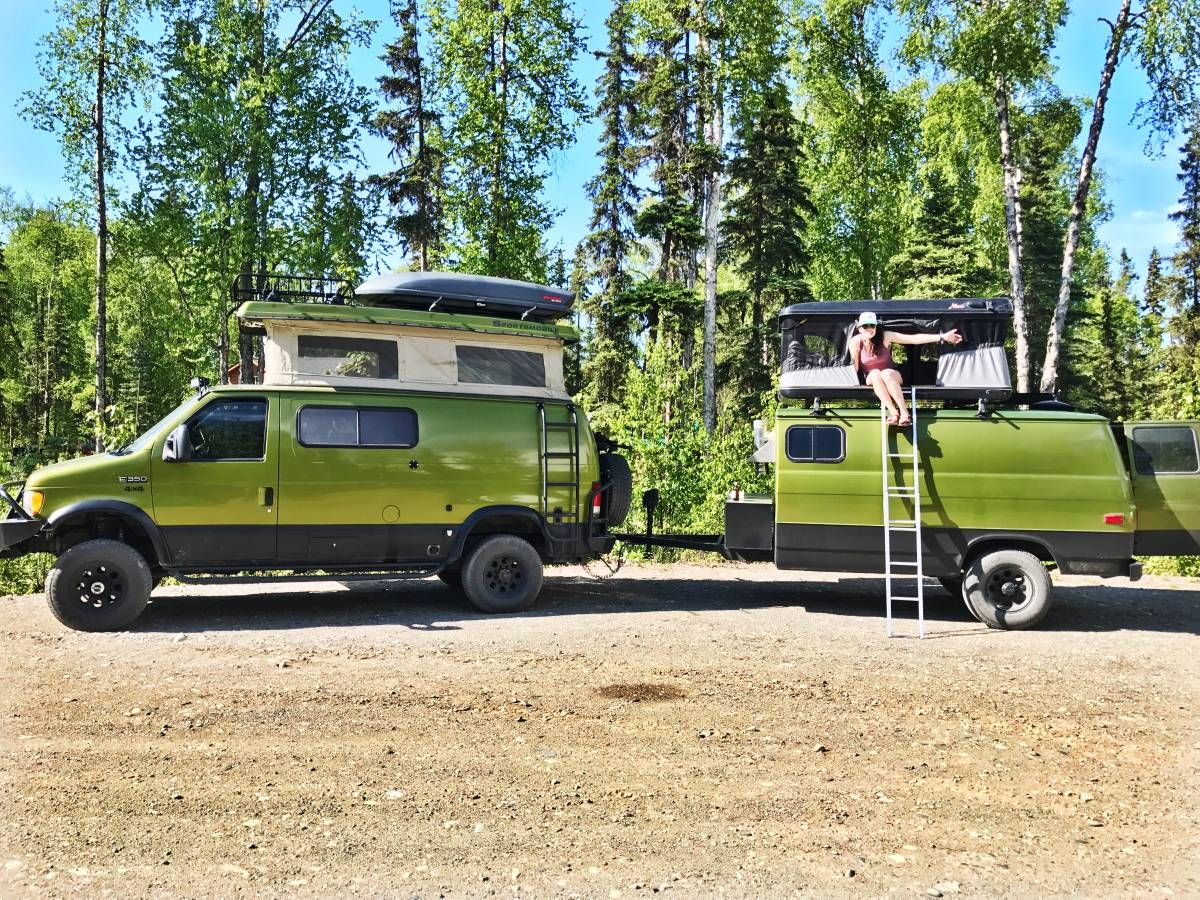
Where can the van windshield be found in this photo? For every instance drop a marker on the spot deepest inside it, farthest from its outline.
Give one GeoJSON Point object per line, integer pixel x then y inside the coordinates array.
{"type": "Point", "coordinates": [150, 433]}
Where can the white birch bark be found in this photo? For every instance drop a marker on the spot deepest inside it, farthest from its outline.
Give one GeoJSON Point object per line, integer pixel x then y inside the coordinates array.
{"type": "Point", "coordinates": [1049, 383]}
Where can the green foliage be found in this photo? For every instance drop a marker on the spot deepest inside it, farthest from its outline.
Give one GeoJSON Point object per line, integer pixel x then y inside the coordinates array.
{"type": "Point", "coordinates": [413, 128]}
{"type": "Point", "coordinates": [503, 72]}
{"type": "Point", "coordinates": [864, 148]}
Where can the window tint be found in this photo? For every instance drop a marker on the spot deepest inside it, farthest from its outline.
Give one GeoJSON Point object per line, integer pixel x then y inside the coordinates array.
{"type": "Point", "coordinates": [1165, 450]}
{"type": "Point", "coordinates": [327, 426]}
{"type": "Point", "coordinates": [816, 443]}
{"type": "Point", "coordinates": [229, 429]}
{"type": "Point", "coordinates": [347, 356]}
{"type": "Point", "coordinates": [492, 365]}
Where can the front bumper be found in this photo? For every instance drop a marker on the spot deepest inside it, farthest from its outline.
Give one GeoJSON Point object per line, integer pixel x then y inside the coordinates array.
{"type": "Point", "coordinates": [19, 526]}
{"type": "Point", "coordinates": [13, 532]}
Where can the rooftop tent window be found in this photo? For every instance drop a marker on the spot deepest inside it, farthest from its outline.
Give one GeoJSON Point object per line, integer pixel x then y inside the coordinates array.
{"type": "Point", "coordinates": [493, 365]}
{"type": "Point", "coordinates": [347, 356]}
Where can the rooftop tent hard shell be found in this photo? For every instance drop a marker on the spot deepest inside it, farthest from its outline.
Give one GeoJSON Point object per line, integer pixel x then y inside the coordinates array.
{"type": "Point", "coordinates": [816, 357]}
{"type": "Point", "coordinates": [455, 292]}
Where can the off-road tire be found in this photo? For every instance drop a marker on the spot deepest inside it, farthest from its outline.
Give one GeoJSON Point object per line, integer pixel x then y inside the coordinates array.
{"type": "Point", "coordinates": [1007, 589]}
{"type": "Point", "coordinates": [98, 585]}
{"type": "Point", "coordinates": [615, 469]}
{"type": "Point", "coordinates": [451, 578]}
{"type": "Point", "coordinates": [502, 574]}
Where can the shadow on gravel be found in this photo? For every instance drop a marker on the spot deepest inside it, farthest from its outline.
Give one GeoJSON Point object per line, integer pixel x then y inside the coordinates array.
{"type": "Point", "coordinates": [430, 606]}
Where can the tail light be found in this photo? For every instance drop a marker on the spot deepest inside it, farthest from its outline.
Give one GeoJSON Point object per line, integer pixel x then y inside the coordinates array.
{"type": "Point", "coordinates": [596, 495]}
{"type": "Point", "coordinates": [1114, 519]}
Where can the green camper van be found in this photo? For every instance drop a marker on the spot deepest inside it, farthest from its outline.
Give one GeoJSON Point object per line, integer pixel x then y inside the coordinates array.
{"type": "Point", "coordinates": [419, 427]}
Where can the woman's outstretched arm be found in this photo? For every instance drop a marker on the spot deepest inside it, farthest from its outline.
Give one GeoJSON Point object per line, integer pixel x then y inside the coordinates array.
{"type": "Point", "coordinates": [950, 337]}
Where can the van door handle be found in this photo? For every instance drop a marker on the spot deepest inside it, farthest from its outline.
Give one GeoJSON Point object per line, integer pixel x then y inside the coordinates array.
{"type": "Point", "coordinates": [266, 496]}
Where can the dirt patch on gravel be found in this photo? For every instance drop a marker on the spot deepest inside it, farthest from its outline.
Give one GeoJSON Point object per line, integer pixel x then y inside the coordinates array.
{"type": "Point", "coordinates": [677, 730]}
{"type": "Point", "coordinates": [641, 693]}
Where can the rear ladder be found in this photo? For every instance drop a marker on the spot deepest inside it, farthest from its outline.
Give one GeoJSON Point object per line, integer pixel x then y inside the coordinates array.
{"type": "Point", "coordinates": [902, 528]}
{"type": "Point", "coordinates": [559, 465]}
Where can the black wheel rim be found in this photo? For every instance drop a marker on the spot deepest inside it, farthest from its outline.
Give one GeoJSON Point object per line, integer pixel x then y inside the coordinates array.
{"type": "Point", "coordinates": [98, 587]}
{"type": "Point", "coordinates": [1008, 588]}
{"type": "Point", "coordinates": [504, 576]}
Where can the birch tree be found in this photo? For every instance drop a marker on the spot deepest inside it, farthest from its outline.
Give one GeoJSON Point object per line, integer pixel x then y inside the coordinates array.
{"type": "Point", "coordinates": [1168, 49]}
{"type": "Point", "coordinates": [93, 66]}
{"type": "Point", "coordinates": [1004, 46]}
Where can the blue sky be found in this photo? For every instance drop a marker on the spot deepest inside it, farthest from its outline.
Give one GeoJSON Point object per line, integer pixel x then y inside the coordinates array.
{"type": "Point", "coordinates": [1141, 189]}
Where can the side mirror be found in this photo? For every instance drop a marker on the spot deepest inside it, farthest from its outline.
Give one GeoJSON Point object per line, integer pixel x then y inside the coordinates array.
{"type": "Point", "coordinates": [178, 447]}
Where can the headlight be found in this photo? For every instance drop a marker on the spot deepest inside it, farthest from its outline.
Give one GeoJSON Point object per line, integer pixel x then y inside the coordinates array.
{"type": "Point", "coordinates": [31, 501]}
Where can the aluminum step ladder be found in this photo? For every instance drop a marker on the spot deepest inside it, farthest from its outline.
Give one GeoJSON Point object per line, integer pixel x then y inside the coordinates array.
{"type": "Point", "coordinates": [902, 528]}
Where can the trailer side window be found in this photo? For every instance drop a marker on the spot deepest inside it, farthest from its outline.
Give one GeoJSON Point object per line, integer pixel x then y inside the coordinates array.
{"type": "Point", "coordinates": [1165, 450]}
{"type": "Point", "coordinates": [816, 443]}
{"type": "Point", "coordinates": [345, 426]}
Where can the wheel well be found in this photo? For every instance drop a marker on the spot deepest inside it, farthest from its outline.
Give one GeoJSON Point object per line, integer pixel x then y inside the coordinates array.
{"type": "Point", "coordinates": [988, 545]}
{"type": "Point", "coordinates": [503, 523]}
{"type": "Point", "coordinates": [86, 526]}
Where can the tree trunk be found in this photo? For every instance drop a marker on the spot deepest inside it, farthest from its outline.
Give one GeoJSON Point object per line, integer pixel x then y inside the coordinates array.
{"type": "Point", "coordinates": [1075, 219]}
{"type": "Point", "coordinates": [1012, 230]}
{"type": "Point", "coordinates": [712, 213]}
{"type": "Point", "coordinates": [101, 230]}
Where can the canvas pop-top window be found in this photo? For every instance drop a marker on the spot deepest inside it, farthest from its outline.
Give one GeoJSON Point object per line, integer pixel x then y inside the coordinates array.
{"type": "Point", "coordinates": [494, 365]}
{"type": "Point", "coordinates": [347, 357]}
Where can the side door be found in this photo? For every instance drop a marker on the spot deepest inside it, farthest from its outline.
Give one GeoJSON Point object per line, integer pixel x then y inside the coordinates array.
{"type": "Point", "coordinates": [218, 507]}
{"type": "Point", "coordinates": [1164, 464]}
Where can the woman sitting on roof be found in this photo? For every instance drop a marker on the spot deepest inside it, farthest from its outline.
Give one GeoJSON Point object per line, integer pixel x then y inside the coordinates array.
{"type": "Point", "coordinates": [871, 353]}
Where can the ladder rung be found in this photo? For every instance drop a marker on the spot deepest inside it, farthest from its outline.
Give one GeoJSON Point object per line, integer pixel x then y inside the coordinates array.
{"type": "Point", "coordinates": [912, 455]}
{"type": "Point", "coordinates": [907, 599]}
{"type": "Point", "coordinates": [560, 424]}
{"type": "Point", "coordinates": [902, 492]}
{"type": "Point", "coordinates": [559, 454]}
{"type": "Point", "coordinates": [896, 528]}
{"type": "Point", "coordinates": [896, 562]}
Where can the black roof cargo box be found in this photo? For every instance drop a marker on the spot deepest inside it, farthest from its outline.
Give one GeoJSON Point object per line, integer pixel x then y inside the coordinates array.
{"type": "Point", "coordinates": [475, 294]}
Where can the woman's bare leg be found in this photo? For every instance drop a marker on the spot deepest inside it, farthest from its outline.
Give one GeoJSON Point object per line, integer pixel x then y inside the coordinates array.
{"type": "Point", "coordinates": [877, 382]}
{"type": "Point", "coordinates": [895, 387]}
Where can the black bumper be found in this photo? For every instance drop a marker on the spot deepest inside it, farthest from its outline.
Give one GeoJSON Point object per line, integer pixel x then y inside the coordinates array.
{"type": "Point", "coordinates": [14, 532]}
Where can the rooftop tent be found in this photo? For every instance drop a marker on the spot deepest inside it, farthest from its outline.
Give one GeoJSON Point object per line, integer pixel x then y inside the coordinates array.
{"type": "Point", "coordinates": [816, 359]}
{"type": "Point", "coordinates": [476, 294]}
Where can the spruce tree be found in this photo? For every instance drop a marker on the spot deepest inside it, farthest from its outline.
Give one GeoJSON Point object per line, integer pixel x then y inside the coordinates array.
{"type": "Point", "coordinates": [939, 260]}
{"type": "Point", "coordinates": [766, 224]}
{"type": "Point", "coordinates": [1154, 298]}
{"type": "Point", "coordinates": [1186, 262]}
{"type": "Point", "coordinates": [614, 193]}
{"type": "Point", "coordinates": [414, 187]}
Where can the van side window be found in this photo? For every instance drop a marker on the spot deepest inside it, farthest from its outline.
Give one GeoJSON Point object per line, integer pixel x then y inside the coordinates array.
{"type": "Point", "coordinates": [350, 357]}
{"type": "Point", "coordinates": [345, 426]}
{"type": "Point", "coordinates": [229, 429]}
{"type": "Point", "coordinates": [1165, 450]}
{"type": "Point", "coordinates": [495, 365]}
{"type": "Point", "coordinates": [816, 443]}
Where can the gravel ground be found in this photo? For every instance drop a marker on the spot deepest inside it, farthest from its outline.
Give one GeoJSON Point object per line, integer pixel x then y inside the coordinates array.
{"type": "Point", "coordinates": [682, 730]}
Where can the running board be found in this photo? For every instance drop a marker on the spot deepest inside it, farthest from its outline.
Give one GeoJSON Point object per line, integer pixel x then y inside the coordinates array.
{"type": "Point", "coordinates": [412, 572]}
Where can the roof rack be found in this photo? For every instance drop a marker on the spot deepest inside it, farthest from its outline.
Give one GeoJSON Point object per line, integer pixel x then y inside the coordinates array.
{"type": "Point", "coordinates": [276, 287]}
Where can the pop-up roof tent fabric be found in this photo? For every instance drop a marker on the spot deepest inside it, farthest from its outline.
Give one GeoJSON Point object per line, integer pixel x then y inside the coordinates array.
{"type": "Point", "coordinates": [816, 358]}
